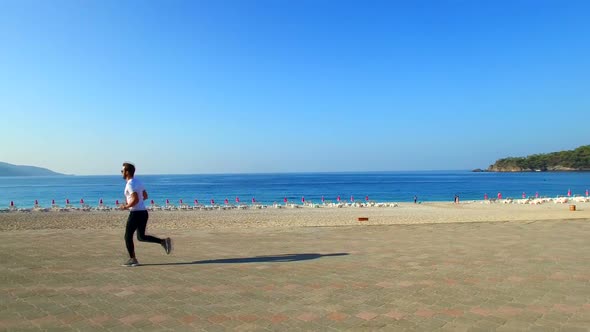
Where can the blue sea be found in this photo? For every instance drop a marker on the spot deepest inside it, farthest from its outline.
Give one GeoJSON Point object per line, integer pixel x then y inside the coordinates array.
{"type": "Point", "coordinates": [270, 188]}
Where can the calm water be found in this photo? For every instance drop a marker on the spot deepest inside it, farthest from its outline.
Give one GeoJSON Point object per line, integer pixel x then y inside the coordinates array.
{"type": "Point", "coordinates": [269, 188]}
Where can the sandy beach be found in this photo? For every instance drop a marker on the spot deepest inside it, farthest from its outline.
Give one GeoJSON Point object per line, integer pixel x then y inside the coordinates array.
{"type": "Point", "coordinates": [404, 213]}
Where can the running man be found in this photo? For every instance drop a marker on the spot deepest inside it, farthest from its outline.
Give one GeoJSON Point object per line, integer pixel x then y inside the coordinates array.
{"type": "Point", "coordinates": [138, 215]}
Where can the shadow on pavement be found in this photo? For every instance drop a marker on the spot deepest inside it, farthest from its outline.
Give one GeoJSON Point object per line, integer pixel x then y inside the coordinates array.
{"type": "Point", "coordinates": [257, 259]}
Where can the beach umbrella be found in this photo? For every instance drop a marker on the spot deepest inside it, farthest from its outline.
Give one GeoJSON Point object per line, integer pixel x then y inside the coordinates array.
{"type": "Point", "coordinates": [338, 198]}
{"type": "Point", "coordinates": [499, 195]}
{"type": "Point", "coordinates": [523, 195]}
{"type": "Point", "coordinates": [226, 202]}
{"type": "Point", "coordinates": [537, 195]}
{"type": "Point", "coordinates": [569, 192]}
{"type": "Point", "coordinates": [485, 197]}
{"type": "Point", "coordinates": [351, 198]}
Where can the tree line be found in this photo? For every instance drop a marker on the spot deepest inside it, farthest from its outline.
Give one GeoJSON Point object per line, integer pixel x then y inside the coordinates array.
{"type": "Point", "coordinates": [578, 159]}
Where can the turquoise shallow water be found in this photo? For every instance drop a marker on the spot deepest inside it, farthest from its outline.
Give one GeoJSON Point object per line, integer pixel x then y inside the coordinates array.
{"type": "Point", "coordinates": [269, 188]}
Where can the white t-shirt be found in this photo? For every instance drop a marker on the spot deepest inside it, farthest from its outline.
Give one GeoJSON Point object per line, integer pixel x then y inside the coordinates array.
{"type": "Point", "coordinates": [135, 186]}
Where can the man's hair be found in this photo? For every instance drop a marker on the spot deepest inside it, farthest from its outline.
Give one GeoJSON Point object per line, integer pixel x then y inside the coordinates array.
{"type": "Point", "coordinates": [129, 168]}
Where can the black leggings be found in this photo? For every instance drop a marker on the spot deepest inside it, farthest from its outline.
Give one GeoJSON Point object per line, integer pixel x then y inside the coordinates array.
{"type": "Point", "coordinates": [137, 221]}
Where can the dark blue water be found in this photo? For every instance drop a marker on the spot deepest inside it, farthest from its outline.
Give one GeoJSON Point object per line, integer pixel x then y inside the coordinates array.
{"type": "Point", "coordinates": [269, 188]}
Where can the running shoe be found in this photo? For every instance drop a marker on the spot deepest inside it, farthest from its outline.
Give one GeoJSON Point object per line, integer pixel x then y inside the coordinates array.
{"type": "Point", "coordinates": [167, 245]}
{"type": "Point", "coordinates": [131, 262]}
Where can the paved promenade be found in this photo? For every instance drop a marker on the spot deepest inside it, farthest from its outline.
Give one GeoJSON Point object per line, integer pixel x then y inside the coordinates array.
{"type": "Point", "coordinates": [512, 276]}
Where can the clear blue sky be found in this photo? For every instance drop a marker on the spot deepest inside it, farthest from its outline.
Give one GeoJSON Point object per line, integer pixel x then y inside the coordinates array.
{"type": "Point", "coordinates": [290, 86]}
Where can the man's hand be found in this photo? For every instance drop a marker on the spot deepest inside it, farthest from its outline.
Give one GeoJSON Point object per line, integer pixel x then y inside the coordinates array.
{"type": "Point", "coordinates": [134, 200]}
{"type": "Point", "coordinates": [123, 206]}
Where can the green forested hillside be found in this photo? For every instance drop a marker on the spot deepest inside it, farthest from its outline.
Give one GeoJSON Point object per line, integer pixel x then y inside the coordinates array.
{"type": "Point", "coordinates": [570, 160]}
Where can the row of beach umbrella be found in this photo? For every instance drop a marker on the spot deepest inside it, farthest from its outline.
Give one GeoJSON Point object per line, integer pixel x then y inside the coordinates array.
{"type": "Point", "coordinates": [226, 201]}
{"type": "Point", "coordinates": [152, 202]}
{"type": "Point", "coordinates": [569, 194]}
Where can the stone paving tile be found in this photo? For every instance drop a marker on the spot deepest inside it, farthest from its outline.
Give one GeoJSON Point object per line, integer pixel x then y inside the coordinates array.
{"type": "Point", "coordinates": [455, 277]}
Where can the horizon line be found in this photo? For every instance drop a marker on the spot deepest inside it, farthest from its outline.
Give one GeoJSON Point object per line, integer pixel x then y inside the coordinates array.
{"type": "Point", "coordinates": [256, 173]}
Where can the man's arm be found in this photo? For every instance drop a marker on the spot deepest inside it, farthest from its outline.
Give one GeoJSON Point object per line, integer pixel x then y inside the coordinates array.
{"type": "Point", "coordinates": [134, 201]}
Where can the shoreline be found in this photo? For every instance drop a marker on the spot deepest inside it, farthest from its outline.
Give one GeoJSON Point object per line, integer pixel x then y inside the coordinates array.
{"type": "Point", "coordinates": [562, 199]}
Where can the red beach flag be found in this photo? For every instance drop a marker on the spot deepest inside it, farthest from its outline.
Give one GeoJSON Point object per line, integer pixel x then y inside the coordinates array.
{"type": "Point", "coordinates": [523, 195]}
{"type": "Point", "coordinates": [338, 198]}
{"type": "Point", "coordinates": [67, 201]}
{"type": "Point", "coordinates": [152, 202]}
{"type": "Point", "coordinates": [117, 202]}
{"type": "Point", "coordinates": [212, 201]}
{"type": "Point", "coordinates": [100, 202]}
{"type": "Point", "coordinates": [167, 201]}
{"type": "Point", "coordinates": [537, 195]}
{"type": "Point", "coordinates": [11, 203]}
{"type": "Point", "coordinates": [569, 192]}
{"type": "Point", "coordinates": [81, 200]}
{"type": "Point", "coordinates": [351, 198]}
{"type": "Point", "coordinates": [36, 202]}
{"type": "Point", "coordinates": [53, 202]}
{"type": "Point", "coordinates": [322, 199]}
{"type": "Point", "coordinates": [367, 198]}
{"type": "Point", "coordinates": [237, 199]}
{"type": "Point", "coordinates": [180, 201]}
{"type": "Point", "coordinates": [499, 195]}
{"type": "Point", "coordinates": [485, 197]}
{"type": "Point", "coordinates": [586, 192]}
{"type": "Point", "coordinates": [253, 200]}
{"type": "Point", "coordinates": [302, 199]}
{"type": "Point", "coordinates": [196, 202]}
{"type": "Point", "coordinates": [285, 199]}
{"type": "Point", "coordinates": [226, 202]}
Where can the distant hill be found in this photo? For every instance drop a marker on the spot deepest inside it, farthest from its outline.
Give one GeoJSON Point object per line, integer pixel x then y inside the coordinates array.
{"type": "Point", "coordinates": [7, 169]}
{"type": "Point", "coordinates": [570, 160]}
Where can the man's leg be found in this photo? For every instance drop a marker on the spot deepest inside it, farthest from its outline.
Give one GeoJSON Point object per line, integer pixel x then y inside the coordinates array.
{"type": "Point", "coordinates": [129, 230]}
{"type": "Point", "coordinates": [141, 226]}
